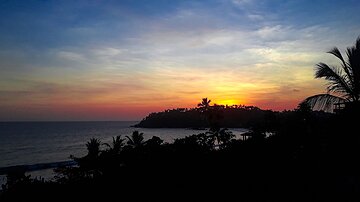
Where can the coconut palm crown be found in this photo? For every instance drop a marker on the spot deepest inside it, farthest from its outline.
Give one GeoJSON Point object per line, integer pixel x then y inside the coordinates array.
{"type": "Point", "coordinates": [343, 81]}
{"type": "Point", "coordinates": [204, 105]}
{"type": "Point", "coordinates": [136, 139]}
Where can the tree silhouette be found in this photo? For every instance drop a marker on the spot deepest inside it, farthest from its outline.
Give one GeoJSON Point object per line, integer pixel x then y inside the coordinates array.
{"type": "Point", "coordinates": [204, 105]}
{"type": "Point", "coordinates": [215, 114]}
{"type": "Point", "coordinates": [225, 136]}
{"type": "Point", "coordinates": [136, 139]}
{"type": "Point", "coordinates": [222, 136]}
{"type": "Point", "coordinates": [116, 146]}
{"type": "Point", "coordinates": [154, 141]}
{"type": "Point", "coordinates": [343, 81]}
{"type": "Point", "coordinates": [303, 107]}
{"type": "Point", "coordinates": [93, 147]}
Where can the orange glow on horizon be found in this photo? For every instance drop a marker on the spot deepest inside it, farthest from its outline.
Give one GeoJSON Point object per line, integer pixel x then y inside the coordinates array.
{"type": "Point", "coordinates": [123, 98]}
{"type": "Point", "coordinates": [228, 102]}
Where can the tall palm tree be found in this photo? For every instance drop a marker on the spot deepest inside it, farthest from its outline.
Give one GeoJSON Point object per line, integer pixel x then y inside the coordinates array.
{"type": "Point", "coordinates": [204, 105]}
{"type": "Point", "coordinates": [343, 81]}
{"type": "Point", "coordinates": [136, 139]}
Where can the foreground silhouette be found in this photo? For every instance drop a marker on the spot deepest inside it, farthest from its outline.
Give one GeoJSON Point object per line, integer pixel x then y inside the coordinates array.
{"type": "Point", "coordinates": [305, 159]}
{"type": "Point", "coordinates": [343, 85]}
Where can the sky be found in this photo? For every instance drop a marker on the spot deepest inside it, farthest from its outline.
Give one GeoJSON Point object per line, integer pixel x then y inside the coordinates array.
{"type": "Point", "coordinates": [120, 60]}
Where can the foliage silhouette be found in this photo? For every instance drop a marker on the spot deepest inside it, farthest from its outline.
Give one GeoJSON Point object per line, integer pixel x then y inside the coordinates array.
{"type": "Point", "coordinates": [302, 160]}
{"type": "Point", "coordinates": [222, 136]}
{"type": "Point", "coordinates": [204, 105]}
{"type": "Point", "coordinates": [154, 141]}
{"type": "Point", "coordinates": [343, 81]}
{"type": "Point", "coordinates": [206, 115]}
{"type": "Point", "coordinates": [136, 139]}
{"type": "Point", "coordinates": [93, 147]}
{"type": "Point", "coordinates": [117, 145]}
{"type": "Point", "coordinates": [304, 157]}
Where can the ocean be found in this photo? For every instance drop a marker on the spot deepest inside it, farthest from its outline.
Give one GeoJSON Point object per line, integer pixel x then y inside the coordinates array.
{"type": "Point", "coordinates": [27, 143]}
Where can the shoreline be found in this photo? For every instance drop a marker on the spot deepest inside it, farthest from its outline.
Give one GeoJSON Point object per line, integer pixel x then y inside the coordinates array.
{"type": "Point", "coordinates": [35, 167]}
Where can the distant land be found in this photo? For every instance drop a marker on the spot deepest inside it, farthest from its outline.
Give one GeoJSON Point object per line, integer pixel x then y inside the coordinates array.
{"type": "Point", "coordinates": [235, 116]}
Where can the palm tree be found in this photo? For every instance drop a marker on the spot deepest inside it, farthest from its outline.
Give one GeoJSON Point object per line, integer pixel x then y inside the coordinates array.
{"type": "Point", "coordinates": [117, 144]}
{"type": "Point", "coordinates": [136, 139]}
{"type": "Point", "coordinates": [222, 136]}
{"type": "Point", "coordinates": [205, 110]}
{"type": "Point", "coordinates": [204, 105]}
{"type": "Point", "coordinates": [343, 81]}
{"type": "Point", "coordinates": [93, 147]}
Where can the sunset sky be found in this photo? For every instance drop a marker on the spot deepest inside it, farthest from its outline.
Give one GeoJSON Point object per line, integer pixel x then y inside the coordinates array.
{"type": "Point", "coordinates": [120, 60]}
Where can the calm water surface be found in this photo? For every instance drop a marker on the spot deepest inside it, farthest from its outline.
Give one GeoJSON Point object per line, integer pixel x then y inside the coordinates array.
{"type": "Point", "coordinates": [43, 142]}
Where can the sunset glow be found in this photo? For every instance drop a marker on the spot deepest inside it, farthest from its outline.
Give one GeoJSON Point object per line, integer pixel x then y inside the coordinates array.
{"type": "Point", "coordinates": [229, 102]}
{"type": "Point", "coordinates": [95, 60]}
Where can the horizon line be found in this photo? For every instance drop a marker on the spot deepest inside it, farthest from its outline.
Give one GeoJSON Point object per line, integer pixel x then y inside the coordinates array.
{"type": "Point", "coordinates": [4, 121]}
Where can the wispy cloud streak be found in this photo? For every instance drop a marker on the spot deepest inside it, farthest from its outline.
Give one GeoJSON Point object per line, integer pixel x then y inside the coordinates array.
{"type": "Point", "coordinates": [137, 57]}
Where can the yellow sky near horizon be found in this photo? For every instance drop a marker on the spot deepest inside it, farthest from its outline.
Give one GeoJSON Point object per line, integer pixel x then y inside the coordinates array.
{"type": "Point", "coordinates": [120, 60]}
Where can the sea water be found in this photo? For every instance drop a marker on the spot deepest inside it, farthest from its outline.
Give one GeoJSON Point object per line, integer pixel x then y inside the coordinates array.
{"type": "Point", "coordinates": [27, 143]}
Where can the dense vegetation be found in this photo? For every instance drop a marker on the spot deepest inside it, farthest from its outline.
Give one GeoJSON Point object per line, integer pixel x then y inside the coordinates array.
{"type": "Point", "coordinates": [235, 116]}
{"type": "Point", "coordinates": [310, 156]}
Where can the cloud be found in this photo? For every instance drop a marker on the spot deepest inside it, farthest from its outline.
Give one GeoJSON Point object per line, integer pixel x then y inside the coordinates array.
{"type": "Point", "coordinates": [165, 56]}
{"type": "Point", "coordinates": [70, 56]}
{"type": "Point", "coordinates": [108, 51]}
{"type": "Point", "coordinates": [255, 17]}
{"type": "Point", "coordinates": [218, 62]}
{"type": "Point", "coordinates": [242, 2]}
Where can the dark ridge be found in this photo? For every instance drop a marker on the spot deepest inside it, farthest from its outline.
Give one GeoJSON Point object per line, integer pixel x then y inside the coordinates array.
{"type": "Point", "coordinates": [235, 116]}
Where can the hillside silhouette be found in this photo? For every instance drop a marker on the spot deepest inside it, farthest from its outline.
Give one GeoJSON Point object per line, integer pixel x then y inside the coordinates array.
{"type": "Point", "coordinates": [234, 116]}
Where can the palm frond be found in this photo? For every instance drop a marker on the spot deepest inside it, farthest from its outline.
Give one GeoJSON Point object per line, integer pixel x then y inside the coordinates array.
{"type": "Point", "coordinates": [323, 101]}
{"type": "Point", "coordinates": [335, 51]}
{"type": "Point", "coordinates": [130, 141]}
{"type": "Point", "coordinates": [118, 140]}
{"type": "Point", "coordinates": [93, 147]}
{"type": "Point", "coordinates": [136, 139]}
{"type": "Point", "coordinates": [344, 81]}
{"type": "Point", "coordinates": [337, 81]}
{"type": "Point", "coordinates": [353, 54]}
{"type": "Point", "coordinates": [357, 43]}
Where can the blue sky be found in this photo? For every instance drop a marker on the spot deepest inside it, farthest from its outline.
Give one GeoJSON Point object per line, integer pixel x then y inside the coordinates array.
{"type": "Point", "coordinates": [119, 60]}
